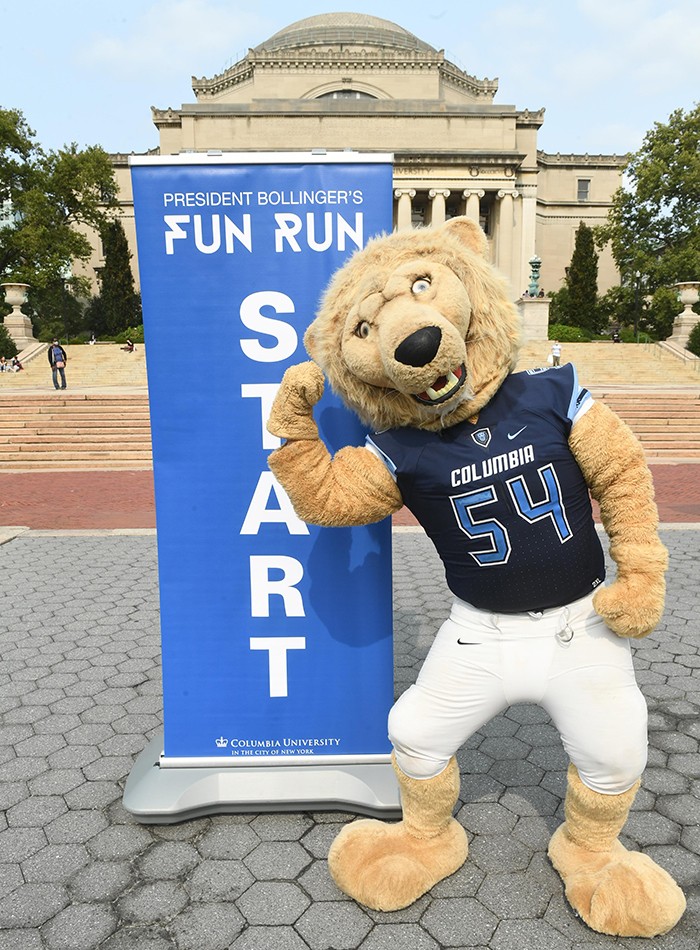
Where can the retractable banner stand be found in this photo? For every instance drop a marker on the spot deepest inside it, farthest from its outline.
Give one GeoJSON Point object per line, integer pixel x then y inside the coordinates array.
{"type": "Point", "coordinates": [276, 635]}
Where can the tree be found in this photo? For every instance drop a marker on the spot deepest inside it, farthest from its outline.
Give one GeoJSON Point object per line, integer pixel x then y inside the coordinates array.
{"type": "Point", "coordinates": [576, 304]}
{"type": "Point", "coordinates": [654, 222]}
{"type": "Point", "coordinates": [8, 347]}
{"type": "Point", "coordinates": [693, 343]}
{"type": "Point", "coordinates": [582, 281]}
{"type": "Point", "coordinates": [117, 306]}
{"type": "Point", "coordinates": [53, 199]}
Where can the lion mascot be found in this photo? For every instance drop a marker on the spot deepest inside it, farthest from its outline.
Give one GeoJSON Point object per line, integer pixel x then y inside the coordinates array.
{"type": "Point", "coordinates": [418, 335]}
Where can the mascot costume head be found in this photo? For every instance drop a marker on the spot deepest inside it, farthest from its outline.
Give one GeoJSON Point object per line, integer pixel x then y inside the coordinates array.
{"type": "Point", "coordinates": [418, 335]}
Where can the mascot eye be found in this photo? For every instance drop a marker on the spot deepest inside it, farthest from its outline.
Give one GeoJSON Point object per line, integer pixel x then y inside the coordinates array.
{"type": "Point", "coordinates": [421, 285]}
{"type": "Point", "coordinates": [362, 330]}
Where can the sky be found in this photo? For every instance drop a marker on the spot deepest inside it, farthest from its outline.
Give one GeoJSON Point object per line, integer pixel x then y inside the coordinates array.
{"type": "Point", "coordinates": [88, 71]}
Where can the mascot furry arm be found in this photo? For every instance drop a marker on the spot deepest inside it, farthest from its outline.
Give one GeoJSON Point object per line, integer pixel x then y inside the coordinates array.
{"type": "Point", "coordinates": [613, 465]}
{"type": "Point", "coordinates": [354, 487]}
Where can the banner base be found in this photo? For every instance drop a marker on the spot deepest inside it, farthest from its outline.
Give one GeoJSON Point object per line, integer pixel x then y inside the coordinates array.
{"type": "Point", "coordinates": [156, 795]}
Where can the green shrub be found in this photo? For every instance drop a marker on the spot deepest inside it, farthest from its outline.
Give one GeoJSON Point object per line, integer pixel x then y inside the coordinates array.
{"type": "Point", "coordinates": [627, 335]}
{"type": "Point", "coordinates": [559, 306]}
{"type": "Point", "coordinates": [135, 334]}
{"type": "Point", "coordinates": [693, 343]}
{"type": "Point", "coordinates": [82, 337]}
{"type": "Point", "coordinates": [663, 309]}
{"type": "Point", "coordinates": [51, 330]}
{"type": "Point", "coordinates": [566, 334]}
{"type": "Point", "coordinates": [8, 347]}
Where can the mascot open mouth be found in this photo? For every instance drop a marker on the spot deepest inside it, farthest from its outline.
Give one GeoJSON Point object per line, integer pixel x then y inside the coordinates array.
{"type": "Point", "coordinates": [443, 388]}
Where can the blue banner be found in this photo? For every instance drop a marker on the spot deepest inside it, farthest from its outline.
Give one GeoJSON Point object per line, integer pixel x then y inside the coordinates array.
{"type": "Point", "coordinates": [276, 636]}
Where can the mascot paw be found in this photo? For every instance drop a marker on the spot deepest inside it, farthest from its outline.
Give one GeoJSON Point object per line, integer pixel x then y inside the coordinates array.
{"type": "Point", "coordinates": [383, 867]}
{"type": "Point", "coordinates": [291, 416]}
{"type": "Point", "coordinates": [631, 607]}
{"type": "Point", "coordinates": [618, 892]}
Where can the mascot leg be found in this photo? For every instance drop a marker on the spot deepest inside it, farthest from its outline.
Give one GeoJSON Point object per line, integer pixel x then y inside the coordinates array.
{"type": "Point", "coordinates": [389, 866]}
{"type": "Point", "coordinates": [615, 891]}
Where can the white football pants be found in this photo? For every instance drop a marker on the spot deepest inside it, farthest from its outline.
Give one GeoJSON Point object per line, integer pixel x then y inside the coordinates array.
{"type": "Point", "coordinates": [566, 659]}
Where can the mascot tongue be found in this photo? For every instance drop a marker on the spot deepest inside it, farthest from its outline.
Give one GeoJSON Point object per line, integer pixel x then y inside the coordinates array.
{"type": "Point", "coordinates": [443, 387]}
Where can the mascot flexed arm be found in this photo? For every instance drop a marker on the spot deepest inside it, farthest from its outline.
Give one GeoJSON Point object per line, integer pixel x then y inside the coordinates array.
{"type": "Point", "coordinates": [417, 334]}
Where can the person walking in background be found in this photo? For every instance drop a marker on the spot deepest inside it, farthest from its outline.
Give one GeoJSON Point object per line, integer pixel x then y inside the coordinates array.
{"type": "Point", "coordinates": [556, 353]}
{"type": "Point", "coordinates": [57, 361]}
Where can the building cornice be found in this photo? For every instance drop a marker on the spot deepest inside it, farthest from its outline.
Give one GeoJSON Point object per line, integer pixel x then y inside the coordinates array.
{"type": "Point", "coordinates": [577, 161]}
{"type": "Point", "coordinates": [479, 88]}
{"type": "Point", "coordinates": [166, 118]}
{"type": "Point", "coordinates": [121, 159]}
{"type": "Point", "coordinates": [532, 119]}
{"type": "Point", "coordinates": [474, 160]}
{"type": "Point", "coordinates": [344, 59]}
{"type": "Point", "coordinates": [373, 108]}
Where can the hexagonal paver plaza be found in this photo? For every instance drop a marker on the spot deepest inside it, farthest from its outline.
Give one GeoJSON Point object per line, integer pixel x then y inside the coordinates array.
{"type": "Point", "coordinates": [80, 698]}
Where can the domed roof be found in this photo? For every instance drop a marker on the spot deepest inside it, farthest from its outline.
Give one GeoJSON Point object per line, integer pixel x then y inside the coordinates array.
{"type": "Point", "coordinates": [350, 29]}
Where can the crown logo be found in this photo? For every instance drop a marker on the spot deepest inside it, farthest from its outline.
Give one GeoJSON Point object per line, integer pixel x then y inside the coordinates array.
{"type": "Point", "coordinates": [221, 742]}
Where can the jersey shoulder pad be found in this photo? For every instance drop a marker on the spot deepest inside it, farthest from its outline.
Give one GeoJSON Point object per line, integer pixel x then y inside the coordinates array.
{"type": "Point", "coordinates": [558, 387]}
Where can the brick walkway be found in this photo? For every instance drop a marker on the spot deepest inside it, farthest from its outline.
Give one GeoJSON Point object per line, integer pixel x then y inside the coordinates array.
{"type": "Point", "coordinates": [123, 499]}
{"type": "Point", "coordinates": [81, 697]}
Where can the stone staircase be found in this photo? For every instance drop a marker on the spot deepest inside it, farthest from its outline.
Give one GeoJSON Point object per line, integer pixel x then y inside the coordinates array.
{"type": "Point", "coordinates": [88, 367]}
{"type": "Point", "coordinates": [656, 394]}
{"type": "Point", "coordinates": [667, 423]}
{"type": "Point", "coordinates": [102, 420]}
{"type": "Point", "coordinates": [74, 431]}
{"type": "Point", "coordinates": [618, 364]}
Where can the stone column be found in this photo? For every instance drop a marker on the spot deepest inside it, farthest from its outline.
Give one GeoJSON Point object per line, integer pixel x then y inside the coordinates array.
{"type": "Point", "coordinates": [526, 237]}
{"type": "Point", "coordinates": [403, 212]}
{"type": "Point", "coordinates": [506, 226]}
{"type": "Point", "coordinates": [437, 210]}
{"type": "Point", "coordinates": [473, 197]}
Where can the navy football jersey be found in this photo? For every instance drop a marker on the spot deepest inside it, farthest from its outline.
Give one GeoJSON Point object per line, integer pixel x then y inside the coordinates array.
{"type": "Point", "coordinates": [504, 500]}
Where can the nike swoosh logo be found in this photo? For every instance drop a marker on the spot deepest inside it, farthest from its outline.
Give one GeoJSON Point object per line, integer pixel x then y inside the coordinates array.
{"type": "Point", "coordinates": [466, 643]}
{"type": "Point", "coordinates": [516, 434]}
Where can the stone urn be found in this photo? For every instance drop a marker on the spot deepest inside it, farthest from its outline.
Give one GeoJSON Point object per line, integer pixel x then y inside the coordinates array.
{"type": "Point", "coordinates": [688, 293]}
{"type": "Point", "coordinates": [18, 324]}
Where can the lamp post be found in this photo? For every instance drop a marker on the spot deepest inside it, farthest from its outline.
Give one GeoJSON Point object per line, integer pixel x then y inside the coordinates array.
{"type": "Point", "coordinates": [535, 265]}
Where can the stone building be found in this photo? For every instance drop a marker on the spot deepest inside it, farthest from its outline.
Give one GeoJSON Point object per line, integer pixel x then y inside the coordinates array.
{"type": "Point", "coordinates": [348, 80]}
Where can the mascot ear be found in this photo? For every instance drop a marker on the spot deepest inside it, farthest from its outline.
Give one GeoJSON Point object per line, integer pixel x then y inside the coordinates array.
{"type": "Point", "coordinates": [468, 233]}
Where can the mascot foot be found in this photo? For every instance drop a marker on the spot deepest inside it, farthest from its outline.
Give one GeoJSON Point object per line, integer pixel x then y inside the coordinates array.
{"type": "Point", "coordinates": [615, 891]}
{"type": "Point", "coordinates": [619, 892]}
{"type": "Point", "coordinates": [389, 866]}
{"type": "Point", "coordinates": [384, 867]}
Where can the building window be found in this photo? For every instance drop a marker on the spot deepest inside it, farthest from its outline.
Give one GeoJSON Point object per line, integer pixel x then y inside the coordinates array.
{"type": "Point", "coordinates": [453, 207]}
{"type": "Point", "coordinates": [487, 213]}
{"type": "Point", "coordinates": [346, 94]}
{"type": "Point", "coordinates": [584, 189]}
{"type": "Point", "coordinates": [419, 210]}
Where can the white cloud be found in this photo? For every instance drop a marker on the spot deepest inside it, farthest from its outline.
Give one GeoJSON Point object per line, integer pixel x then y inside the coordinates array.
{"type": "Point", "coordinates": [172, 36]}
{"type": "Point", "coordinates": [645, 45]}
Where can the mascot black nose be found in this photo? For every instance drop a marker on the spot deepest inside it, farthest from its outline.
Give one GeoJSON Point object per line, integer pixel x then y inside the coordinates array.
{"type": "Point", "coordinates": [420, 347]}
